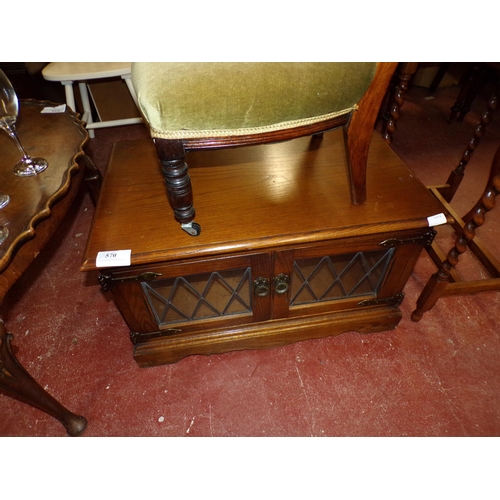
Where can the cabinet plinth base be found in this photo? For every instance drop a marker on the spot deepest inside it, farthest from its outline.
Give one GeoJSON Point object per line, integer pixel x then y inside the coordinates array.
{"type": "Point", "coordinates": [274, 333]}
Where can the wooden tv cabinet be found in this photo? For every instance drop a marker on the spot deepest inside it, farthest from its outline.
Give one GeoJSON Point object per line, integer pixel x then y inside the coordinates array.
{"type": "Point", "coordinates": [283, 255]}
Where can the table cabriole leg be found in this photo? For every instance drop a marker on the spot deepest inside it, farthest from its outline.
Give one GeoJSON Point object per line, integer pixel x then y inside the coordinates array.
{"type": "Point", "coordinates": [18, 382]}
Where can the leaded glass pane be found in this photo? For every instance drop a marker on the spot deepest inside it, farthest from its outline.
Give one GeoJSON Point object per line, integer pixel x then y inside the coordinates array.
{"type": "Point", "coordinates": [338, 276]}
{"type": "Point", "coordinates": [200, 296]}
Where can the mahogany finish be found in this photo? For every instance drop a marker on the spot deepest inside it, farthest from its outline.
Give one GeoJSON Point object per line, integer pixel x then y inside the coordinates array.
{"type": "Point", "coordinates": [37, 206]}
{"type": "Point", "coordinates": [264, 208]}
{"type": "Point", "coordinates": [446, 282]}
{"type": "Point", "coordinates": [358, 128]}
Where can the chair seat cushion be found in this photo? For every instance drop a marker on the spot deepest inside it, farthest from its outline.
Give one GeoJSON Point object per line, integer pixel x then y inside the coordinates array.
{"type": "Point", "coordinates": [199, 100]}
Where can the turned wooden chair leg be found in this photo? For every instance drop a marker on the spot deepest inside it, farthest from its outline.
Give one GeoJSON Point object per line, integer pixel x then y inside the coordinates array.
{"type": "Point", "coordinates": [17, 381]}
{"type": "Point", "coordinates": [178, 184]}
{"type": "Point", "coordinates": [431, 293]}
{"type": "Point", "coordinates": [457, 175]}
{"type": "Point", "coordinates": [396, 100]}
{"type": "Point", "coordinates": [436, 286]}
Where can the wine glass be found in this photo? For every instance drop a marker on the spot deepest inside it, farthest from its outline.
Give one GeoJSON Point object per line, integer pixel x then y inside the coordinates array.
{"type": "Point", "coordinates": [9, 109]}
{"type": "Point", "coordinates": [4, 232]}
{"type": "Point", "coordinates": [4, 200]}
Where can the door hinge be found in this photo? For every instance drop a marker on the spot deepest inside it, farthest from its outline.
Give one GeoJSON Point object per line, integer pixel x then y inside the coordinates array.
{"type": "Point", "coordinates": [395, 300]}
{"type": "Point", "coordinates": [426, 239]}
{"type": "Point", "coordinates": [107, 280]}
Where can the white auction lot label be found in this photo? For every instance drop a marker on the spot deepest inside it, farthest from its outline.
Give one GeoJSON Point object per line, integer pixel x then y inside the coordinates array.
{"type": "Point", "coordinates": [113, 258]}
{"type": "Point", "coordinates": [437, 220]}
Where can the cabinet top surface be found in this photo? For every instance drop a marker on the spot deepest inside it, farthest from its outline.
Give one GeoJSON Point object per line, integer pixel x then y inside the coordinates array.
{"type": "Point", "coordinates": [251, 198]}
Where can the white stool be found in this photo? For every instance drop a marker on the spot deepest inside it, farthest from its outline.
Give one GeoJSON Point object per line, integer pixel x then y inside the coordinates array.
{"type": "Point", "coordinates": [68, 73]}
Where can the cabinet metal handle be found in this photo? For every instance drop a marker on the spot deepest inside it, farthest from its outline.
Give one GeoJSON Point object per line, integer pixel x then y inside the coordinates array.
{"type": "Point", "coordinates": [281, 284]}
{"type": "Point", "coordinates": [261, 287]}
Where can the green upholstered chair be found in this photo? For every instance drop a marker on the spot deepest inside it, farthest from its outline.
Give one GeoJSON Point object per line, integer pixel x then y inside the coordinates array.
{"type": "Point", "coordinates": [191, 106]}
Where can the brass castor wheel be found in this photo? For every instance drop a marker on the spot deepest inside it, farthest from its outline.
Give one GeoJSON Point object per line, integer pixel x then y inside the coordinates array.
{"type": "Point", "coordinates": [192, 228]}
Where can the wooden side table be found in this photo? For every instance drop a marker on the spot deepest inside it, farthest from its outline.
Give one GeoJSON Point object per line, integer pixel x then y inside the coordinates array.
{"type": "Point", "coordinates": [37, 206]}
{"type": "Point", "coordinates": [284, 255]}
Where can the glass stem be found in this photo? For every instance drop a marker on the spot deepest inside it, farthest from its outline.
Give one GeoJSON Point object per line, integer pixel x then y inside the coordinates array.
{"type": "Point", "coordinates": [12, 132]}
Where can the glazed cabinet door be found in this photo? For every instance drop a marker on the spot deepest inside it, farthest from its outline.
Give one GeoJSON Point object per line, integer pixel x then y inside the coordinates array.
{"type": "Point", "coordinates": [344, 274]}
{"type": "Point", "coordinates": [189, 296]}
